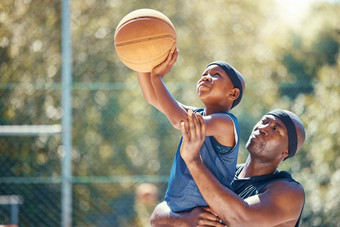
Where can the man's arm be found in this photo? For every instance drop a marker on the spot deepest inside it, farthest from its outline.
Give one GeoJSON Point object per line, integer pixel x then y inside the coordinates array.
{"type": "Point", "coordinates": [281, 202]}
{"type": "Point", "coordinates": [163, 216]}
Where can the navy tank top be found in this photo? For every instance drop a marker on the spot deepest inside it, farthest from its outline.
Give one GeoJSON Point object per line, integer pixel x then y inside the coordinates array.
{"type": "Point", "coordinates": [246, 187]}
{"type": "Point", "coordinates": [182, 193]}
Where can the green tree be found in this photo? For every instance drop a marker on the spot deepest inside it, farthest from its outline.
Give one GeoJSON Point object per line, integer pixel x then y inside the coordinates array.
{"type": "Point", "coordinates": [119, 139]}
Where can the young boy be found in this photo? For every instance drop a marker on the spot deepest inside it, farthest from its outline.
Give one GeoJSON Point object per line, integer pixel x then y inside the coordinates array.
{"type": "Point", "coordinates": [220, 89]}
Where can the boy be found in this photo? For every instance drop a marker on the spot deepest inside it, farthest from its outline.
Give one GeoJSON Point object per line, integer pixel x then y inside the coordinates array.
{"type": "Point", "coordinates": [220, 89]}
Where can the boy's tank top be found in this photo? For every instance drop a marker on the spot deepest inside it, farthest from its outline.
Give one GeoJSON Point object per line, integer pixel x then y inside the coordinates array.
{"type": "Point", "coordinates": [182, 193]}
{"type": "Point", "coordinates": [246, 187]}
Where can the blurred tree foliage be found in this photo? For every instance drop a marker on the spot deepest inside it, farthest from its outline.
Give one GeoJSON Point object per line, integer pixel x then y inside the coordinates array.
{"type": "Point", "coordinates": [289, 64]}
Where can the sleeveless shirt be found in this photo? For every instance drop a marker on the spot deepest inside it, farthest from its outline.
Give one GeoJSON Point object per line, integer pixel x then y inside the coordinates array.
{"type": "Point", "coordinates": [246, 187]}
{"type": "Point", "coordinates": [182, 193]}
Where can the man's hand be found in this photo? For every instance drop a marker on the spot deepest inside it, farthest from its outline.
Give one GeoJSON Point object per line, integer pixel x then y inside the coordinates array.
{"type": "Point", "coordinates": [193, 137]}
{"type": "Point", "coordinates": [204, 216]}
{"type": "Point", "coordinates": [165, 67]}
{"type": "Point", "coordinates": [199, 216]}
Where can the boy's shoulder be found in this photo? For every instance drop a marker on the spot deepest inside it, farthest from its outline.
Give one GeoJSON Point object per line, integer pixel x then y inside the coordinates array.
{"type": "Point", "coordinates": [201, 111]}
{"type": "Point", "coordinates": [228, 114]}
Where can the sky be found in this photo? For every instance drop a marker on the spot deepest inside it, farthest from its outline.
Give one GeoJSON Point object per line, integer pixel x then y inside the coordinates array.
{"type": "Point", "coordinates": [292, 11]}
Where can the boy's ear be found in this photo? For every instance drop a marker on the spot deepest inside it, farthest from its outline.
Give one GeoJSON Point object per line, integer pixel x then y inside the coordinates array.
{"type": "Point", "coordinates": [233, 95]}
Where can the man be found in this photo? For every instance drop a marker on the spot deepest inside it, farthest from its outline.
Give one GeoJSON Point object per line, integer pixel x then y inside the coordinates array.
{"type": "Point", "coordinates": [263, 195]}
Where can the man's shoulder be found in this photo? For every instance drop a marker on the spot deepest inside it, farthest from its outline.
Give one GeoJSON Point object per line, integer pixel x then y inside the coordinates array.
{"type": "Point", "coordinates": [288, 178]}
{"type": "Point", "coordinates": [285, 194]}
{"type": "Point", "coordinates": [281, 183]}
{"type": "Point", "coordinates": [282, 187]}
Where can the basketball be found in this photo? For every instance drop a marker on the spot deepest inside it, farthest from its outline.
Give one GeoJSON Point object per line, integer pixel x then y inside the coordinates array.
{"type": "Point", "coordinates": [143, 39]}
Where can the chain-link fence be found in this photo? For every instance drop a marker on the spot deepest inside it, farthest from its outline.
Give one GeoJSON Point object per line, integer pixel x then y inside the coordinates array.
{"type": "Point", "coordinates": [122, 148]}
{"type": "Point", "coordinates": [106, 169]}
{"type": "Point", "coordinates": [30, 95]}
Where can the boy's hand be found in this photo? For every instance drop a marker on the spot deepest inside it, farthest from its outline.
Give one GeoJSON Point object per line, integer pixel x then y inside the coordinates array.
{"type": "Point", "coordinates": [165, 67]}
{"type": "Point", "coordinates": [193, 137]}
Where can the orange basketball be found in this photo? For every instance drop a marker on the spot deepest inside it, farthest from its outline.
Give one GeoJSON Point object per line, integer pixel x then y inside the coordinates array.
{"type": "Point", "coordinates": [143, 39]}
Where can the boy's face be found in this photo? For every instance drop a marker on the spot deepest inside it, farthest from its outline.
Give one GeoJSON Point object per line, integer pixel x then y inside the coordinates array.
{"type": "Point", "coordinates": [214, 86]}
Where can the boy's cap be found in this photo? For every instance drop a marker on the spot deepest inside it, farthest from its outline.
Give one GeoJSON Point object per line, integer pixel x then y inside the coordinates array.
{"type": "Point", "coordinates": [234, 75]}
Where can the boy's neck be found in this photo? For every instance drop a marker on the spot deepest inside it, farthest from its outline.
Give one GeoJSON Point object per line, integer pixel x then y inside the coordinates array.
{"type": "Point", "coordinates": [208, 110]}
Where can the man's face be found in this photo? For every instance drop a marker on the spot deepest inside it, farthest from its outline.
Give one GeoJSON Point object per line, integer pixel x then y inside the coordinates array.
{"type": "Point", "coordinates": [269, 139]}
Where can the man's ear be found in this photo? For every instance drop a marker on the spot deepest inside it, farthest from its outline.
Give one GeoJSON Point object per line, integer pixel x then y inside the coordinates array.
{"type": "Point", "coordinates": [285, 154]}
{"type": "Point", "coordinates": [233, 95]}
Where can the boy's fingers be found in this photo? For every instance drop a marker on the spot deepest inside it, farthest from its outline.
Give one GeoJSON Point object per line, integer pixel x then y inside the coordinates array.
{"type": "Point", "coordinates": [169, 58]}
{"type": "Point", "coordinates": [173, 48]}
{"type": "Point", "coordinates": [173, 53]}
{"type": "Point", "coordinates": [170, 54]}
{"type": "Point", "coordinates": [174, 56]}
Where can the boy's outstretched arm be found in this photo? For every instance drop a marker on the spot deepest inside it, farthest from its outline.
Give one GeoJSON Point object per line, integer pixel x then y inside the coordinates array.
{"type": "Point", "coordinates": [158, 95]}
{"type": "Point", "coordinates": [144, 80]}
{"type": "Point", "coordinates": [175, 111]}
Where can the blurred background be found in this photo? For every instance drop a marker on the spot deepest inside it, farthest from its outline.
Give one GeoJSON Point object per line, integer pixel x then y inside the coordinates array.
{"type": "Point", "coordinates": [122, 148]}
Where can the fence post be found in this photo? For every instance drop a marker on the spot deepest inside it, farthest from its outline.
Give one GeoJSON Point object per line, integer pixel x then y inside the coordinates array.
{"type": "Point", "coordinates": [66, 53]}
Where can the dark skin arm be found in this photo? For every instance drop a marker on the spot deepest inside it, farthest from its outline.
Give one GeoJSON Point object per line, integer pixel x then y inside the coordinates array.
{"type": "Point", "coordinates": [156, 93]}
{"type": "Point", "coordinates": [279, 204]}
{"type": "Point", "coordinates": [163, 216]}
